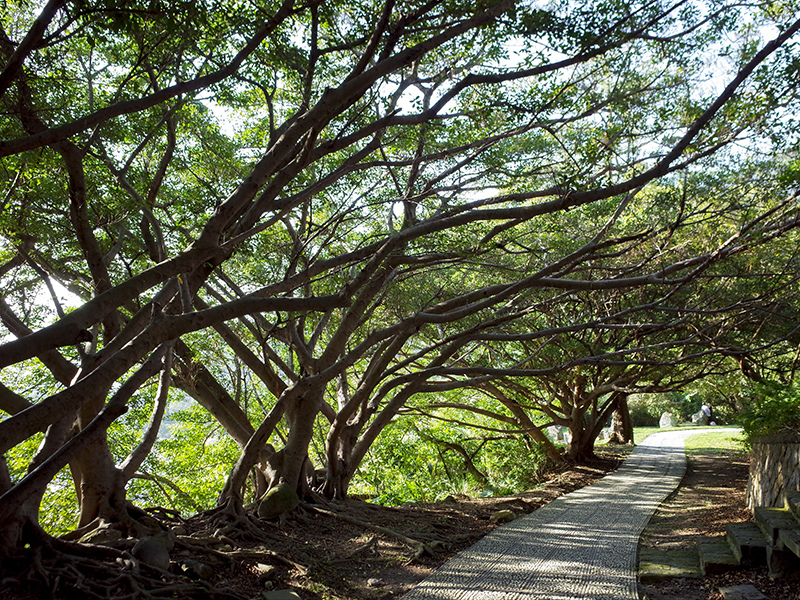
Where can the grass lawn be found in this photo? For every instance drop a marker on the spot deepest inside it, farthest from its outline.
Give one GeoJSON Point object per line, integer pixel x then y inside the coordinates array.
{"type": "Point", "coordinates": [725, 441]}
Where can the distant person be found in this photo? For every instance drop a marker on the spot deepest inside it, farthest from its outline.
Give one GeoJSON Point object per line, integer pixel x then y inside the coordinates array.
{"type": "Point", "coordinates": [708, 411]}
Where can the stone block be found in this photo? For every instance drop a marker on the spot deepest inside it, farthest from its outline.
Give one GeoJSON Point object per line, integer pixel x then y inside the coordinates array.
{"type": "Point", "coordinates": [716, 555]}
{"type": "Point", "coordinates": [741, 592]}
{"type": "Point", "coordinates": [659, 565]}
{"type": "Point", "coordinates": [782, 563]}
{"type": "Point", "coordinates": [748, 542]}
{"type": "Point", "coordinates": [791, 501]}
{"type": "Point", "coordinates": [789, 539]}
{"type": "Point", "coordinates": [771, 520]}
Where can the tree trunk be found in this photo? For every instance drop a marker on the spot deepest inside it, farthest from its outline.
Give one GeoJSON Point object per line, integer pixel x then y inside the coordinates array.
{"type": "Point", "coordinates": [301, 417]}
{"type": "Point", "coordinates": [5, 477]}
{"type": "Point", "coordinates": [468, 462]}
{"type": "Point", "coordinates": [580, 448]}
{"type": "Point", "coordinates": [621, 424]}
{"type": "Point", "coordinates": [338, 475]}
{"type": "Point", "coordinates": [99, 481]}
{"type": "Point", "coordinates": [533, 432]}
{"type": "Point", "coordinates": [101, 491]}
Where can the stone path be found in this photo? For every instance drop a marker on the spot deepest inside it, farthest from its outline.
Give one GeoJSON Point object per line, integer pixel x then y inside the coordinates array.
{"type": "Point", "coordinates": [581, 546]}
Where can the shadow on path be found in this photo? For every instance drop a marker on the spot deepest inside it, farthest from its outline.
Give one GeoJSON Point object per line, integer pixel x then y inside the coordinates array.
{"type": "Point", "coordinates": [581, 546]}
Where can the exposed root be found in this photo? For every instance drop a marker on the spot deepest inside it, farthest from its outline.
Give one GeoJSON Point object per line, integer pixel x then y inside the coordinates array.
{"type": "Point", "coordinates": [261, 553]}
{"type": "Point", "coordinates": [420, 548]}
{"type": "Point", "coordinates": [204, 546]}
{"type": "Point", "coordinates": [370, 545]}
{"type": "Point", "coordinates": [61, 569]}
{"type": "Point", "coordinates": [230, 522]}
{"type": "Point", "coordinates": [165, 514]}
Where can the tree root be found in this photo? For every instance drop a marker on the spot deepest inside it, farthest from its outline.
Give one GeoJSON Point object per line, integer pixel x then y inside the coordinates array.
{"type": "Point", "coordinates": [232, 521]}
{"type": "Point", "coordinates": [369, 545]}
{"type": "Point", "coordinates": [420, 548]}
{"type": "Point", "coordinates": [165, 514]}
{"type": "Point", "coordinates": [261, 553]}
{"type": "Point", "coordinates": [203, 546]}
{"type": "Point", "coordinates": [60, 569]}
{"type": "Point", "coordinates": [63, 569]}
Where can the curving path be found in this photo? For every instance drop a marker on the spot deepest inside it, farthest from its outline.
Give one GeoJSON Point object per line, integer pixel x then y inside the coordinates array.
{"type": "Point", "coordinates": [581, 546]}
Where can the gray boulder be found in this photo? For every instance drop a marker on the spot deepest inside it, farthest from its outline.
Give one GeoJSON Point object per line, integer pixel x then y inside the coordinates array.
{"type": "Point", "coordinates": [668, 420]}
{"type": "Point", "coordinates": [196, 569]}
{"type": "Point", "coordinates": [153, 550]}
{"type": "Point", "coordinates": [102, 535]}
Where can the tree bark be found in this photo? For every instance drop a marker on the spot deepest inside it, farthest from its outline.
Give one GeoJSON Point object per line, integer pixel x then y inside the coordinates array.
{"type": "Point", "coordinates": [338, 454]}
{"type": "Point", "coordinates": [580, 448]}
{"type": "Point", "coordinates": [301, 416]}
{"type": "Point", "coordinates": [621, 423]}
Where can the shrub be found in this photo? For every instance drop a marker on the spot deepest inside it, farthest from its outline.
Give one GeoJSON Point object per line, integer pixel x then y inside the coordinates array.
{"type": "Point", "coordinates": [773, 408]}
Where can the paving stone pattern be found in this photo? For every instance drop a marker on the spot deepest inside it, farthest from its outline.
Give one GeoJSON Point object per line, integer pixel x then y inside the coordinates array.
{"type": "Point", "coordinates": [581, 546]}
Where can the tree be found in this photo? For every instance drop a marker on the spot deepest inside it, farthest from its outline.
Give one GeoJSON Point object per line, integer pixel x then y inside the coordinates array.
{"type": "Point", "coordinates": [388, 197]}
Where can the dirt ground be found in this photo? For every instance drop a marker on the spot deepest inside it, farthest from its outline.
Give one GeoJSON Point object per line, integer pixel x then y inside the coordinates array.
{"type": "Point", "coordinates": [380, 552]}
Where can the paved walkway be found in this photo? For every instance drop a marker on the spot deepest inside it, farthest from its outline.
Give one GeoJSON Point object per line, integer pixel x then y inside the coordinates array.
{"type": "Point", "coordinates": [581, 546]}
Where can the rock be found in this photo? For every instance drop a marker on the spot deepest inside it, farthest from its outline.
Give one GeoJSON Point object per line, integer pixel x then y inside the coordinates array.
{"type": "Point", "coordinates": [101, 536]}
{"type": "Point", "coordinates": [280, 595]}
{"type": "Point", "coordinates": [152, 550]}
{"type": "Point", "coordinates": [149, 522]}
{"type": "Point", "coordinates": [265, 572]}
{"type": "Point", "coordinates": [168, 538]}
{"type": "Point", "coordinates": [741, 592]}
{"type": "Point", "coordinates": [555, 433]}
{"type": "Point", "coordinates": [668, 420]}
{"type": "Point", "coordinates": [196, 569]}
{"type": "Point", "coordinates": [503, 516]}
{"type": "Point", "coordinates": [278, 500]}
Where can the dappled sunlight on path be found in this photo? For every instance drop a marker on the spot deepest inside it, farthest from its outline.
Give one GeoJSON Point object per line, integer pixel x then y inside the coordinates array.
{"type": "Point", "coordinates": [581, 546]}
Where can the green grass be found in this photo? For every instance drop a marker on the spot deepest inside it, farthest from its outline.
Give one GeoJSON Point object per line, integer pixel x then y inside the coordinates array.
{"type": "Point", "coordinates": [724, 441]}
